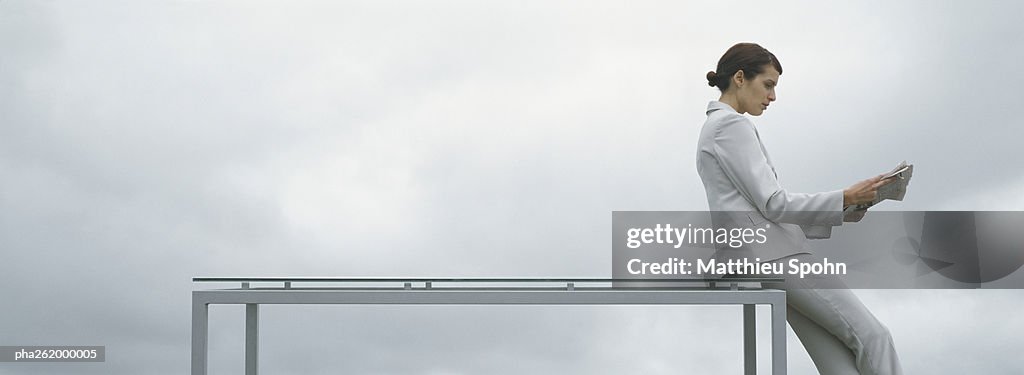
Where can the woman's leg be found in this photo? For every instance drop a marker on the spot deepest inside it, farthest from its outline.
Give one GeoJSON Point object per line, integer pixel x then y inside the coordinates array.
{"type": "Point", "coordinates": [830, 355]}
{"type": "Point", "coordinates": [838, 311]}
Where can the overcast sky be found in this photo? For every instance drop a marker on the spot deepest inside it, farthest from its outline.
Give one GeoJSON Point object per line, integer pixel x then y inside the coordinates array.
{"type": "Point", "coordinates": [143, 143]}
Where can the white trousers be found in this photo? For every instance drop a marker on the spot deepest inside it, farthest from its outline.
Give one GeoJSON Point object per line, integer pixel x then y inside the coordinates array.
{"type": "Point", "coordinates": [836, 329]}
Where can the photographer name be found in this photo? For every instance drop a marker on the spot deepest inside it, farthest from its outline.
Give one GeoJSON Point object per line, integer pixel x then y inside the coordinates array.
{"type": "Point", "coordinates": [679, 266]}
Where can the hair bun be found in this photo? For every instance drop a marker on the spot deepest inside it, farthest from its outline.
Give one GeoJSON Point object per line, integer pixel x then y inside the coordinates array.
{"type": "Point", "coordinates": [712, 78]}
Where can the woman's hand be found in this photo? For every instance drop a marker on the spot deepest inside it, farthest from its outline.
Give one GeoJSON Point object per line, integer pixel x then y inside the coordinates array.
{"type": "Point", "coordinates": [865, 191]}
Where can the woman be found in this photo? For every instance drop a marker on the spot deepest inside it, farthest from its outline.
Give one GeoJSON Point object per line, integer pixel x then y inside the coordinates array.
{"type": "Point", "coordinates": [839, 333]}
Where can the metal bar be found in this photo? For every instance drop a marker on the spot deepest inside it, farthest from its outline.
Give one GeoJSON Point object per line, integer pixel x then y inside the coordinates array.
{"type": "Point", "coordinates": [749, 339]}
{"type": "Point", "coordinates": [779, 336]}
{"type": "Point", "coordinates": [491, 297]}
{"type": "Point", "coordinates": [469, 279]}
{"type": "Point", "coordinates": [200, 324]}
{"type": "Point", "coordinates": [252, 338]}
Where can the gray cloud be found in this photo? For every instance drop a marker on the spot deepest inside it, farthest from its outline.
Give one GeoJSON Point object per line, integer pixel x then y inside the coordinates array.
{"type": "Point", "coordinates": [146, 143]}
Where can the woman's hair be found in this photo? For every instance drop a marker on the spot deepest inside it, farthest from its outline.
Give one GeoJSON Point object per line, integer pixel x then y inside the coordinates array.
{"type": "Point", "coordinates": [748, 57]}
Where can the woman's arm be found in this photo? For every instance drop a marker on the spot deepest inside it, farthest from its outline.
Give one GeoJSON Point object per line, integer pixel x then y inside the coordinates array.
{"type": "Point", "coordinates": [739, 154]}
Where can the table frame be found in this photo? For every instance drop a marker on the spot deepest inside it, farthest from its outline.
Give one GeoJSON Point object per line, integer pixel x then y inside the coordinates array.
{"type": "Point", "coordinates": [525, 291]}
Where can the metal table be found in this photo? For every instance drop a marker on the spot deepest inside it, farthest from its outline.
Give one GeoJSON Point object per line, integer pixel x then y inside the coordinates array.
{"type": "Point", "coordinates": [487, 291]}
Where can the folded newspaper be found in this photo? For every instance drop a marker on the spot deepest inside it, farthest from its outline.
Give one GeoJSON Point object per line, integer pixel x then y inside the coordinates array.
{"type": "Point", "coordinates": [894, 190]}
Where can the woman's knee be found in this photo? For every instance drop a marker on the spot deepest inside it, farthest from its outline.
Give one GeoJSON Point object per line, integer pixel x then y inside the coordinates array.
{"type": "Point", "coordinates": [877, 335]}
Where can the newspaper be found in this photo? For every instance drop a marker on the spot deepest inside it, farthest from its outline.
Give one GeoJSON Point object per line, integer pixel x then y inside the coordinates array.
{"type": "Point", "coordinates": [894, 190]}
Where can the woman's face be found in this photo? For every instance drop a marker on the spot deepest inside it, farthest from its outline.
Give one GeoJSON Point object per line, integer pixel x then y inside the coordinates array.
{"type": "Point", "coordinates": [754, 96]}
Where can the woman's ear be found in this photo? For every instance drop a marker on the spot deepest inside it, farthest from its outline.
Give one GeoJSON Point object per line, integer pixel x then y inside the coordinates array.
{"type": "Point", "coordinates": [738, 78]}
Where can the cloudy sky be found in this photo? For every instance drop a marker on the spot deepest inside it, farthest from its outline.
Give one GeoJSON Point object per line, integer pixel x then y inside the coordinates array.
{"type": "Point", "coordinates": [143, 143]}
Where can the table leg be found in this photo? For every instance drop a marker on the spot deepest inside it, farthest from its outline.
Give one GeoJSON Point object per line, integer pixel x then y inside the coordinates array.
{"type": "Point", "coordinates": [779, 337]}
{"type": "Point", "coordinates": [749, 339]}
{"type": "Point", "coordinates": [252, 331]}
{"type": "Point", "coordinates": [200, 324]}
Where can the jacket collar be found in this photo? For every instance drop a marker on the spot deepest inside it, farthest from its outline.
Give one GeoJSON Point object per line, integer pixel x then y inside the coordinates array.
{"type": "Point", "coordinates": [715, 105]}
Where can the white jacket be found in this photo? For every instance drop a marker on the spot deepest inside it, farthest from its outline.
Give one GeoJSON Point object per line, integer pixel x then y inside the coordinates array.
{"type": "Point", "coordinates": [743, 190]}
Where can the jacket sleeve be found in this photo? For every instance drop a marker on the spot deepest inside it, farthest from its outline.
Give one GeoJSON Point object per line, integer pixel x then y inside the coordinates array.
{"type": "Point", "coordinates": [739, 154]}
{"type": "Point", "coordinates": [817, 231]}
